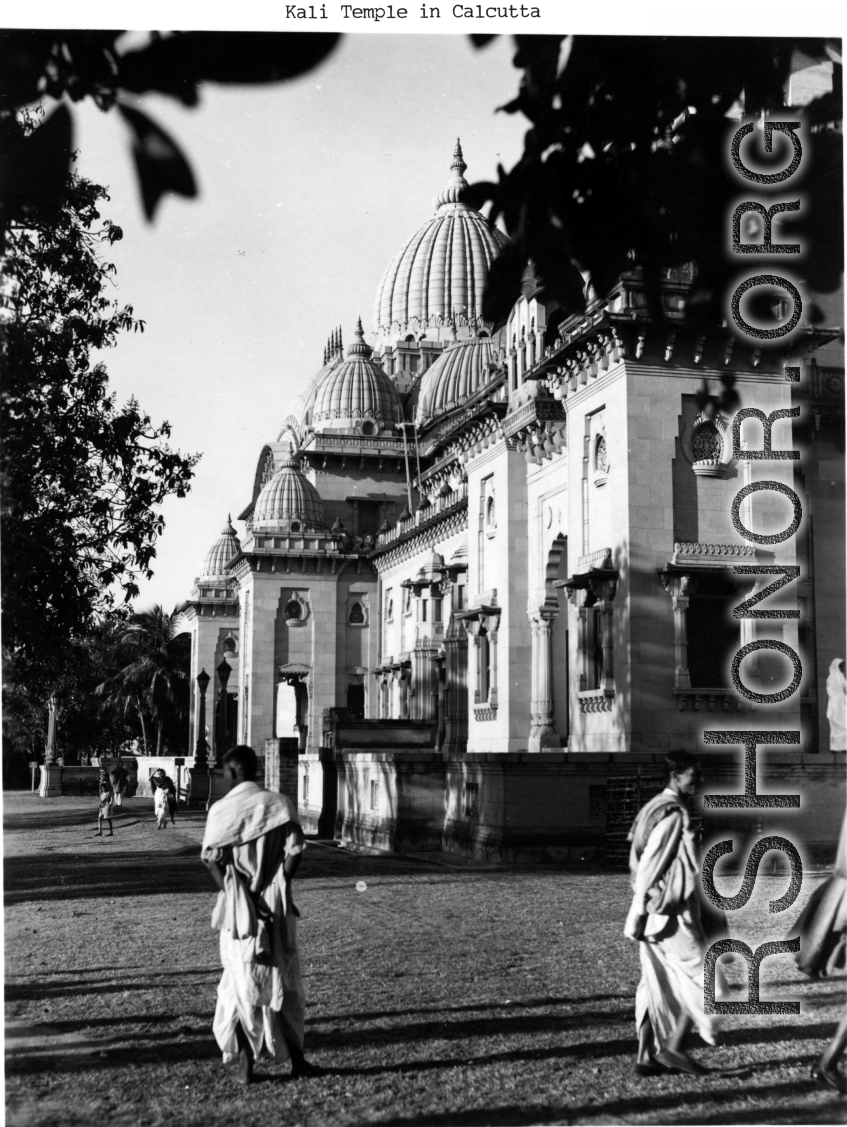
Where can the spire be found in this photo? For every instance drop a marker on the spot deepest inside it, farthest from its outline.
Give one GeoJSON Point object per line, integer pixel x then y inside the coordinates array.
{"type": "Point", "coordinates": [227, 529]}
{"type": "Point", "coordinates": [358, 347]}
{"type": "Point", "coordinates": [457, 184]}
{"type": "Point", "coordinates": [458, 159]}
{"type": "Point", "coordinates": [340, 342]}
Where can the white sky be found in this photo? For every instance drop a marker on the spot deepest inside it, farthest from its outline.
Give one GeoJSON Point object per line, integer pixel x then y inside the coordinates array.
{"type": "Point", "coordinates": [307, 190]}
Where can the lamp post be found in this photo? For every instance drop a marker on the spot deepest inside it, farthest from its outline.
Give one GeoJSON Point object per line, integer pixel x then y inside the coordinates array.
{"type": "Point", "coordinates": [224, 670]}
{"type": "Point", "coordinates": [203, 680]}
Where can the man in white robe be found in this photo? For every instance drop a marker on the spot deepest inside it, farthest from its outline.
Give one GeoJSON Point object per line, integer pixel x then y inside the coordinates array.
{"type": "Point", "coordinates": [665, 920]}
{"type": "Point", "coordinates": [252, 847]}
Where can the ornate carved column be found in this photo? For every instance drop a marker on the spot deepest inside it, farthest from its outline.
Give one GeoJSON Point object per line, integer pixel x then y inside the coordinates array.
{"type": "Point", "coordinates": [542, 705]}
{"type": "Point", "coordinates": [492, 623]}
{"type": "Point", "coordinates": [680, 587]}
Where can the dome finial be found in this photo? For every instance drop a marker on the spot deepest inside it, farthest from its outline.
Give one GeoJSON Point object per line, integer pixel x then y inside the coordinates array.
{"type": "Point", "coordinates": [456, 187]}
{"type": "Point", "coordinates": [358, 347]}
{"type": "Point", "coordinates": [458, 158]}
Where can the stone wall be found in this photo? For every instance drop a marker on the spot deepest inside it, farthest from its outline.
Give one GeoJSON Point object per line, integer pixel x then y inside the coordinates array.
{"type": "Point", "coordinates": [561, 806]}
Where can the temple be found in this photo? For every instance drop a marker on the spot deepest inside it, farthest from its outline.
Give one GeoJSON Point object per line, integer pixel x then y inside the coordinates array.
{"type": "Point", "coordinates": [487, 572]}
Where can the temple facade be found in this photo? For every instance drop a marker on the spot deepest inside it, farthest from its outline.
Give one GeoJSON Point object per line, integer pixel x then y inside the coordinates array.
{"type": "Point", "coordinates": [488, 570]}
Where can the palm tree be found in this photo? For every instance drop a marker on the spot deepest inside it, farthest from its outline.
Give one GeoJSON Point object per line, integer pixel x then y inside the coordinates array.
{"type": "Point", "coordinates": [154, 657]}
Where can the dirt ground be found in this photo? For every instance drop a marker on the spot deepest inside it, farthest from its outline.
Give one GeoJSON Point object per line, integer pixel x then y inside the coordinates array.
{"type": "Point", "coordinates": [445, 992]}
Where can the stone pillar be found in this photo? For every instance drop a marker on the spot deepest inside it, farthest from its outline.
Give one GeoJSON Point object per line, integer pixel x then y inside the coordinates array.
{"type": "Point", "coordinates": [582, 645]}
{"type": "Point", "coordinates": [680, 588]}
{"type": "Point", "coordinates": [456, 695]}
{"type": "Point", "coordinates": [542, 732]}
{"type": "Point", "coordinates": [478, 695]}
{"type": "Point", "coordinates": [50, 785]}
{"type": "Point", "coordinates": [492, 661]}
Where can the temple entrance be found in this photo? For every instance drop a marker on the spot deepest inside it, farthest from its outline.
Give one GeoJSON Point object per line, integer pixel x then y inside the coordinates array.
{"type": "Point", "coordinates": [356, 701]}
{"type": "Point", "coordinates": [286, 711]}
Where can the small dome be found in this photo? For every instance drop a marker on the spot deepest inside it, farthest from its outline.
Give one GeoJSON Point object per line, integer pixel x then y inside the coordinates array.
{"type": "Point", "coordinates": [221, 552]}
{"type": "Point", "coordinates": [356, 393]}
{"type": "Point", "coordinates": [439, 275]}
{"type": "Point", "coordinates": [289, 499]}
{"type": "Point", "coordinates": [459, 371]}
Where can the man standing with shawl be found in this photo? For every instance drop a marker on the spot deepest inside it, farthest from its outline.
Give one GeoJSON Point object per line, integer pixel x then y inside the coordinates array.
{"type": "Point", "coordinates": [665, 920]}
{"type": "Point", "coordinates": [252, 848]}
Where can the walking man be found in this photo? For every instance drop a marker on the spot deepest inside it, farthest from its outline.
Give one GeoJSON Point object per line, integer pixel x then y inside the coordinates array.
{"type": "Point", "coordinates": [665, 920]}
{"type": "Point", "coordinates": [118, 778]}
{"type": "Point", "coordinates": [252, 848]}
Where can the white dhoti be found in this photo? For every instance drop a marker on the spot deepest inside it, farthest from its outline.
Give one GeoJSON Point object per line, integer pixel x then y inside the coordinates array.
{"type": "Point", "coordinates": [672, 981]}
{"type": "Point", "coordinates": [251, 832]}
{"type": "Point", "coordinates": [665, 918]}
{"type": "Point", "coordinates": [268, 1001]}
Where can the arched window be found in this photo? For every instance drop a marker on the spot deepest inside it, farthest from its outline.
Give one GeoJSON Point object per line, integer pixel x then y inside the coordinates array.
{"type": "Point", "coordinates": [491, 513]}
{"type": "Point", "coordinates": [229, 646]}
{"type": "Point", "coordinates": [357, 615]}
{"type": "Point", "coordinates": [601, 462]}
{"type": "Point", "coordinates": [368, 427]}
{"type": "Point", "coordinates": [293, 610]}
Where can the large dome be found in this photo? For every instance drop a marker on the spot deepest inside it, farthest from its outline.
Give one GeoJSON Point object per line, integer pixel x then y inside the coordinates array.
{"type": "Point", "coordinates": [460, 371]}
{"type": "Point", "coordinates": [221, 553]}
{"type": "Point", "coordinates": [355, 394]}
{"type": "Point", "coordinates": [289, 499]}
{"type": "Point", "coordinates": [440, 273]}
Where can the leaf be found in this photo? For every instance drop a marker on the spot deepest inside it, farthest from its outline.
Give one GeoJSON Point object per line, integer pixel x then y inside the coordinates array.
{"type": "Point", "coordinates": [35, 172]}
{"type": "Point", "coordinates": [159, 162]}
{"type": "Point", "coordinates": [177, 64]}
{"type": "Point", "coordinates": [503, 286]}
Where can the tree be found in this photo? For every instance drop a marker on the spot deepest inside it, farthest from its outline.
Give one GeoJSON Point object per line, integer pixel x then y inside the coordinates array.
{"type": "Point", "coordinates": [81, 478]}
{"type": "Point", "coordinates": [87, 723]}
{"type": "Point", "coordinates": [153, 677]}
{"type": "Point", "coordinates": [626, 164]}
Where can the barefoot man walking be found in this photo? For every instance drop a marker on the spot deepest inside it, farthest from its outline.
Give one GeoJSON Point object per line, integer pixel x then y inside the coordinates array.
{"type": "Point", "coordinates": [252, 848]}
{"type": "Point", "coordinates": [665, 919]}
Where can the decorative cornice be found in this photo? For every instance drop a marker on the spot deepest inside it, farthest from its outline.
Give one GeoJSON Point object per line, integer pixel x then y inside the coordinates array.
{"type": "Point", "coordinates": [716, 555]}
{"type": "Point", "coordinates": [448, 523]}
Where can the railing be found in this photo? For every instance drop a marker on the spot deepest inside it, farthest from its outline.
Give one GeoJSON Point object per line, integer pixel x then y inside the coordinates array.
{"type": "Point", "coordinates": [424, 517]}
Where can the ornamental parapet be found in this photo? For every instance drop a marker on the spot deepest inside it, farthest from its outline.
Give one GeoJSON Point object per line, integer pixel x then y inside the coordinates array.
{"type": "Point", "coordinates": [435, 513]}
{"type": "Point", "coordinates": [712, 699]}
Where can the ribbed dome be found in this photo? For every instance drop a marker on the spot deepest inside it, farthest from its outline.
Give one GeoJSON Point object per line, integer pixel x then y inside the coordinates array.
{"type": "Point", "coordinates": [355, 391]}
{"type": "Point", "coordinates": [441, 271]}
{"type": "Point", "coordinates": [221, 552]}
{"type": "Point", "coordinates": [287, 497]}
{"type": "Point", "coordinates": [459, 371]}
